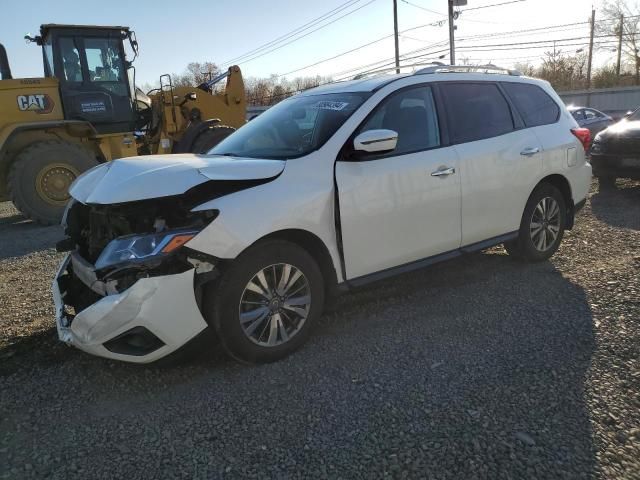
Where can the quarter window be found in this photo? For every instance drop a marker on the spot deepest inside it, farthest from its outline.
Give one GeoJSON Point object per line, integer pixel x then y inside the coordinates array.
{"type": "Point", "coordinates": [411, 113]}
{"type": "Point", "coordinates": [476, 111]}
{"type": "Point", "coordinates": [535, 106]}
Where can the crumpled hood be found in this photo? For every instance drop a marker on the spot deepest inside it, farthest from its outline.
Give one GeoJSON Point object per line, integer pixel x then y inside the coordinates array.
{"type": "Point", "coordinates": [154, 176]}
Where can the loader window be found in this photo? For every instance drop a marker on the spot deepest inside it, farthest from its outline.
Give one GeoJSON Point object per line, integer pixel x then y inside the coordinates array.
{"type": "Point", "coordinates": [104, 60]}
{"type": "Point", "coordinates": [70, 60]}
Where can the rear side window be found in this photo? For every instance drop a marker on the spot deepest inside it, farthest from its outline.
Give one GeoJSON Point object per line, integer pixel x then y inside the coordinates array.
{"type": "Point", "coordinates": [591, 114]}
{"type": "Point", "coordinates": [476, 111]}
{"type": "Point", "coordinates": [533, 103]}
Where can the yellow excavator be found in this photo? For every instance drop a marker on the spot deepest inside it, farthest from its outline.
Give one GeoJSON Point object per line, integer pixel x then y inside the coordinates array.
{"type": "Point", "coordinates": [87, 110]}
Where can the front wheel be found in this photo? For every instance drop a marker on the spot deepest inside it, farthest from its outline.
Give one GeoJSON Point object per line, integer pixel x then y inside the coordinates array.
{"type": "Point", "coordinates": [542, 225]}
{"type": "Point", "coordinates": [266, 302]}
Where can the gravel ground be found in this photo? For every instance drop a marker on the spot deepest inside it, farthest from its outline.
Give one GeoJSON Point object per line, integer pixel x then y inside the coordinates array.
{"type": "Point", "coordinates": [478, 368]}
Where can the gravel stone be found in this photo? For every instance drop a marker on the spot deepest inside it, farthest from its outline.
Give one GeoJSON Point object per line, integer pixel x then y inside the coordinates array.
{"type": "Point", "coordinates": [480, 367]}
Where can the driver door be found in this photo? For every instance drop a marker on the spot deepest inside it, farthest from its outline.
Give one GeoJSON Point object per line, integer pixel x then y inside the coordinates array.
{"type": "Point", "coordinates": [399, 207]}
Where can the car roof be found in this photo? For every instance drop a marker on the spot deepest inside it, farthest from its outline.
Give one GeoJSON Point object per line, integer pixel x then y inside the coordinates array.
{"type": "Point", "coordinates": [360, 85]}
{"type": "Point", "coordinates": [573, 108]}
{"type": "Point", "coordinates": [373, 83]}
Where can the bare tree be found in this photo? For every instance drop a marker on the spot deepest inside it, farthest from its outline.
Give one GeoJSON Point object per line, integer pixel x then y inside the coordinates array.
{"type": "Point", "coordinates": [611, 10]}
{"type": "Point", "coordinates": [202, 72]}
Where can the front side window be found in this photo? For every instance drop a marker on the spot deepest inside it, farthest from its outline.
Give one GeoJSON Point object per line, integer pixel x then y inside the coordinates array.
{"type": "Point", "coordinates": [534, 104]}
{"type": "Point", "coordinates": [476, 111]}
{"type": "Point", "coordinates": [104, 60]}
{"type": "Point", "coordinates": [70, 60]}
{"type": "Point", "coordinates": [293, 128]}
{"type": "Point", "coordinates": [411, 113]}
{"type": "Point", "coordinates": [578, 114]}
{"type": "Point", "coordinates": [591, 114]}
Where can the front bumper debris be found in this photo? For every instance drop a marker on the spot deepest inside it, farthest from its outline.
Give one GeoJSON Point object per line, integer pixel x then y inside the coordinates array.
{"type": "Point", "coordinates": [152, 318]}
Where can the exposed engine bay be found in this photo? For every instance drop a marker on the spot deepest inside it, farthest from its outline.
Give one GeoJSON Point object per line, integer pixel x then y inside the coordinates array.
{"type": "Point", "coordinates": [91, 228]}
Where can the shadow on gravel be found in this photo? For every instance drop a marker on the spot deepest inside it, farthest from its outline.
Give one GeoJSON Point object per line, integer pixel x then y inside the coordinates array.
{"type": "Point", "coordinates": [619, 207]}
{"type": "Point", "coordinates": [40, 349]}
{"type": "Point", "coordinates": [470, 369]}
{"type": "Point", "coordinates": [19, 236]}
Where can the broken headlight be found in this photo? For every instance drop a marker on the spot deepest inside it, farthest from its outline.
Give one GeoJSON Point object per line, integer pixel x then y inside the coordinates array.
{"type": "Point", "coordinates": [142, 247]}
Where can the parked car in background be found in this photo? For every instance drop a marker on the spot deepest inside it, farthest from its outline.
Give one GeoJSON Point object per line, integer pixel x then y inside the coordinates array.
{"type": "Point", "coordinates": [615, 152]}
{"type": "Point", "coordinates": [336, 187]}
{"type": "Point", "coordinates": [591, 118]}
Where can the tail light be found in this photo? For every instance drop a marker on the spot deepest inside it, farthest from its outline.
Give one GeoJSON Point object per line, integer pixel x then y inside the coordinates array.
{"type": "Point", "coordinates": [584, 135]}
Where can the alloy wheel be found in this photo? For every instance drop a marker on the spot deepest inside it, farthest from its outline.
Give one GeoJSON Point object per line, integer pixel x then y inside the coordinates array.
{"type": "Point", "coordinates": [275, 305]}
{"type": "Point", "coordinates": [544, 227]}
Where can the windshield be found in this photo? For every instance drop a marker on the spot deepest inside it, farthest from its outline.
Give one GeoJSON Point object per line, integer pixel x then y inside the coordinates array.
{"type": "Point", "coordinates": [293, 128]}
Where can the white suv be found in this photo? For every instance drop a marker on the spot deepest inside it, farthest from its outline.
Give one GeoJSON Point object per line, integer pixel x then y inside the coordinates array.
{"type": "Point", "coordinates": [329, 190]}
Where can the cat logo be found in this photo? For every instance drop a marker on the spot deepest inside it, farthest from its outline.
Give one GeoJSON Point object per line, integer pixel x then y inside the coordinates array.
{"type": "Point", "coordinates": [39, 103]}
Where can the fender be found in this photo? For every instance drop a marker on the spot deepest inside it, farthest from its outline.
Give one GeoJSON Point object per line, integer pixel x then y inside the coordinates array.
{"type": "Point", "coordinates": [75, 128]}
{"type": "Point", "coordinates": [194, 130]}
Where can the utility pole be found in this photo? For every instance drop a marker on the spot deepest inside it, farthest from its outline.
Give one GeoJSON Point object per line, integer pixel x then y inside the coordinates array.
{"type": "Point", "coordinates": [593, 23]}
{"type": "Point", "coordinates": [452, 48]}
{"type": "Point", "coordinates": [619, 45]}
{"type": "Point", "coordinates": [395, 34]}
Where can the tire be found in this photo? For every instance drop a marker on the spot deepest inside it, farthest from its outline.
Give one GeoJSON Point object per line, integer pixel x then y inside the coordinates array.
{"type": "Point", "coordinates": [40, 176]}
{"type": "Point", "coordinates": [222, 302]}
{"type": "Point", "coordinates": [539, 245]}
{"type": "Point", "coordinates": [210, 138]}
{"type": "Point", "coordinates": [606, 183]}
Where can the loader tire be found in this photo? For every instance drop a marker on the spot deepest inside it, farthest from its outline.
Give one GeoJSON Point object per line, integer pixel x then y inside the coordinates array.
{"type": "Point", "coordinates": [210, 138]}
{"type": "Point", "coordinates": [40, 177]}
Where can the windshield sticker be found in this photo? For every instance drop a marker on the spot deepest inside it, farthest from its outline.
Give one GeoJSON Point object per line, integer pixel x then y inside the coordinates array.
{"type": "Point", "coordinates": [329, 105]}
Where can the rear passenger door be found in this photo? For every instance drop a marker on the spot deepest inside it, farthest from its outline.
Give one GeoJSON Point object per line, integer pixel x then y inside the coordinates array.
{"type": "Point", "coordinates": [540, 114]}
{"type": "Point", "coordinates": [499, 159]}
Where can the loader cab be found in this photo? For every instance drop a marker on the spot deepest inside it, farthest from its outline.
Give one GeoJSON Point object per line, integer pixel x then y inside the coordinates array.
{"type": "Point", "coordinates": [90, 64]}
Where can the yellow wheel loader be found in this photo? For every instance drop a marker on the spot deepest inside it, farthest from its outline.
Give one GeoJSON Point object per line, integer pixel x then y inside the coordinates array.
{"type": "Point", "coordinates": [87, 110]}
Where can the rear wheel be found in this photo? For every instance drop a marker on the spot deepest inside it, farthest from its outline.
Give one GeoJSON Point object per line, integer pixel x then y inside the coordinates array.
{"type": "Point", "coordinates": [210, 138]}
{"type": "Point", "coordinates": [542, 225]}
{"type": "Point", "coordinates": [40, 177]}
{"type": "Point", "coordinates": [265, 304]}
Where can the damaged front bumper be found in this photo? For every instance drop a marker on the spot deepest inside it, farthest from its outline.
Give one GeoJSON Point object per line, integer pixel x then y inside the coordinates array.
{"type": "Point", "coordinates": [143, 323]}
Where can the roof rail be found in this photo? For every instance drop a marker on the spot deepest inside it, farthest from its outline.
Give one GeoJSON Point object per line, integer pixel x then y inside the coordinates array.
{"type": "Point", "coordinates": [372, 73]}
{"type": "Point", "coordinates": [467, 69]}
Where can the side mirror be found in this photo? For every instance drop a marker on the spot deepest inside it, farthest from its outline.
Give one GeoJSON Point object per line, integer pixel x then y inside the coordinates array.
{"type": "Point", "coordinates": [376, 141]}
{"type": "Point", "coordinates": [629, 112]}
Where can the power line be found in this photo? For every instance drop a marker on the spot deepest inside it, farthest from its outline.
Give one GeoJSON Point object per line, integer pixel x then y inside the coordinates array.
{"type": "Point", "coordinates": [294, 32]}
{"type": "Point", "coordinates": [306, 34]}
{"type": "Point", "coordinates": [423, 8]}
{"type": "Point", "coordinates": [492, 5]}
{"type": "Point", "coordinates": [359, 47]}
{"type": "Point", "coordinates": [335, 56]}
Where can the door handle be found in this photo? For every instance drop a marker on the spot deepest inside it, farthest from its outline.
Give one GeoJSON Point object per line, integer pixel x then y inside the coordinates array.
{"type": "Point", "coordinates": [527, 152]}
{"type": "Point", "coordinates": [443, 172]}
